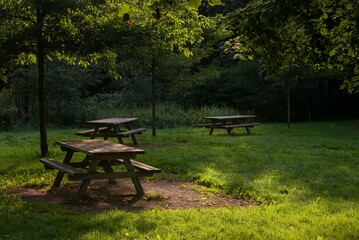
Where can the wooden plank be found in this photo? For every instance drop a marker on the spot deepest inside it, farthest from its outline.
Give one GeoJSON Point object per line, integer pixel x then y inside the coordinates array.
{"type": "Point", "coordinates": [62, 167]}
{"type": "Point", "coordinates": [208, 125]}
{"type": "Point", "coordinates": [223, 118]}
{"type": "Point", "coordinates": [241, 125]}
{"type": "Point", "coordinates": [245, 125]}
{"type": "Point", "coordinates": [132, 131]}
{"type": "Point", "coordinates": [102, 134]}
{"type": "Point", "coordinates": [89, 132]}
{"type": "Point", "coordinates": [99, 148]}
{"type": "Point", "coordinates": [144, 166]}
{"type": "Point", "coordinates": [112, 175]}
{"type": "Point", "coordinates": [112, 121]}
{"type": "Point", "coordinates": [141, 166]}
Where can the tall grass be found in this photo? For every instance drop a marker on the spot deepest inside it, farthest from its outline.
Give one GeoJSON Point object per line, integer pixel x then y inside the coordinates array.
{"type": "Point", "coordinates": [306, 179]}
{"type": "Point", "coordinates": [168, 115]}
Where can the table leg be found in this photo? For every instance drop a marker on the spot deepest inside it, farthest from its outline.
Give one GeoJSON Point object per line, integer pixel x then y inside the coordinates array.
{"type": "Point", "coordinates": [95, 131]}
{"type": "Point", "coordinates": [85, 183]}
{"type": "Point", "coordinates": [247, 128]}
{"type": "Point", "coordinates": [108, 169]}
{"type": "Point", "coordinates": [129, 127]}
{"type": "Point", "coordinates": [60, 175]}
{"type": "Point", "coordinates": [117, 130]}
{"type": "Point", "coordinates": [83, 187]}
{"type": "Point", "coordinates": [133, 139]}
{"type": "Point", "coordinates": [135, 180]}
{"type": "Point", "coordinates": [120, 140]}
{"type": "Point", "coordinates": [108, 131]}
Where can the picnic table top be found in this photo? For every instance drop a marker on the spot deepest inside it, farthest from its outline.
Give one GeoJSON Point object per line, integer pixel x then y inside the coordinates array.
{"type": "Point", "coordinates": [112, 121]}
{"type": "Point", "coordinates": [230, 117]}
{"type": "Point", "coordinates": [97, 147]}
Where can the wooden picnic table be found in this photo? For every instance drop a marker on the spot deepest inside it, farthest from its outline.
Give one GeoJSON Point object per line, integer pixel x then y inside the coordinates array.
{"type": "Point", "coordinates": [113, 127]}
{"type": "Point", "coordinates": [229, 123]}
{"type": "Point", "coordinates": [100, 158]}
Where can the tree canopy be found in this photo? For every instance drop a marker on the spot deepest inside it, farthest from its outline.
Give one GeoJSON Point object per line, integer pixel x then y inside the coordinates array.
{"type": "Point", "coordinates": [85, 31]}
{"type": "Point", "coordinates": [284, 34]}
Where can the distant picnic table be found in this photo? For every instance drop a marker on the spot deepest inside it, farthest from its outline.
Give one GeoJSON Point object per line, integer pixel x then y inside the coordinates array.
{"type": "Point", "coordinates": [113, 127]}
{"type": "Point", "coordinates": [100, 157]}
{"type": "Point", "coordinates": [229, 123]}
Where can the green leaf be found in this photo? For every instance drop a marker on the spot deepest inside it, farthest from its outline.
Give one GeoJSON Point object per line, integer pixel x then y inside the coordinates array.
{"type": "Point", "coordinates": [332, 52]}
{"type": "Point", "coordinates": [349, 6]}
{"type": "Point", "coordinates": [214, 2]}
{"type": "Point", "coordinates": [125, 8]}
{"type": "Point", "coordinates": [194, 3]}
{"type": "Point", "coordinates": [324, 31]}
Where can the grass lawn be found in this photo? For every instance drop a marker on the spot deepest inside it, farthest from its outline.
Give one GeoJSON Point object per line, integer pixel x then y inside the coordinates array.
{"type": "Point", "coordinates": [306, 179]}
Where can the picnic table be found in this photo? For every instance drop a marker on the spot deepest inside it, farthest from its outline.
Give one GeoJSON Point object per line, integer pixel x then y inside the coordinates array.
{"type": "Point", "coordinates": [112, 127]}
{"type": "Point", "coordinates": [100, 158]}
{"type": "Point", "coordinates": [229, 123]}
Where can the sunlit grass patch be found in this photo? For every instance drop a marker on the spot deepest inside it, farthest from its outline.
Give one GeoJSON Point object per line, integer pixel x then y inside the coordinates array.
{"type": "Point", "coordinates": [306, 179]}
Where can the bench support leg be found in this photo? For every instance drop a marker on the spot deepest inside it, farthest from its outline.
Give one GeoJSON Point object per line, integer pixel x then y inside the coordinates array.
{"type": "Point", "coordinates": [85, 183]}
{"type": "Point", "coordinates": [134, 139]}
{"type": "Point", "coordinates": [248, 131]}
{"type": "Point", "coordinates": [229, 130]}
{"type": "Point", "coordinates": [83, 187]}
{"type": "Point", "coordinates": [120, 140]}
{"type": "Point", "coordinates": [211, 131]}
{"type": "Point", "coordinates": [58, 180]}
{"type": "Point", "coordinates": [60, 175]}
{"type": "Point", "coordinates": [135, 180]}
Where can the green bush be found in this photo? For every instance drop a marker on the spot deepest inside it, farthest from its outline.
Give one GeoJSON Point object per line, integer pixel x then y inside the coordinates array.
{"type": "Point", "coordinates": [8, 110]}
{"type": "Point", "coordinates": [185, 95]}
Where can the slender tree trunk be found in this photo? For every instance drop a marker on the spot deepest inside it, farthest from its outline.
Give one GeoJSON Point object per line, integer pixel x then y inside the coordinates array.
{"type": "Point", "coordinates": [154, 97]}
{"type": "Point", "coordinates": [41, 82]}
{"type": "Point", "coordinates": [27, 101]}
{"type": "Point", "coordinates": [288, 104]}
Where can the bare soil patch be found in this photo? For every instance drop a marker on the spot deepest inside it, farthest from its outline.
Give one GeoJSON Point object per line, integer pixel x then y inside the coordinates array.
{"type": "Point", "coordinates": [102, 196]}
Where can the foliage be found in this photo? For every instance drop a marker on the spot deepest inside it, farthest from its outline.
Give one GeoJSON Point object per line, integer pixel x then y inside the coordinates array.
{"type": "Point", "coordinates": [8, 110]}
{"type": "Point", "coordinates": [287, 34]}
{"type": "Point", "coordinates": [82, 32]}
{"type": "Point", "coordinates": [306, 179]}
{"type": "Point", "coordinates": [77, 94]}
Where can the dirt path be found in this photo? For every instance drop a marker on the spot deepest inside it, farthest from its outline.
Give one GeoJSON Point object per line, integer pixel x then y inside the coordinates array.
{"type": "Point", "coordinates": [101, 196]}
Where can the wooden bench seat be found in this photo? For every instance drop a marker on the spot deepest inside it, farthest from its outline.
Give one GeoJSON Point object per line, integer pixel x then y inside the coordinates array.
{"type": "Point", "coordinates": [207, 125]}
{"type": "Point", "coordinates": [75, 174]}
{"type": "Point", "coordinates": [141, 166]}
{"type": "Point", "coordinates": [230, 125]}
{"type": "Point", "coordinates": [246, 125]}
{"type": "Point", "coordinates": [132, 131]}
{"type": "Point", "coordinates": [62, 167]}
{"type": "Point", "coordinates": [89, 132]}
{"type": "Point", "coordinates": [102, 133]}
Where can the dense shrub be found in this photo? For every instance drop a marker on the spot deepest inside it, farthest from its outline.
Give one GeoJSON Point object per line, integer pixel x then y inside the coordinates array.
{"type": "Point", "coordinates": [184, 96]}
{"type": "Point", "coordinates": [8, 110]}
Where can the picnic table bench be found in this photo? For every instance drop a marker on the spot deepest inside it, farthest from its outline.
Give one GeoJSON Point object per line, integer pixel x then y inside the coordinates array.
{"type": "Point", "coordinates": [229, 123]}
{"type": "Point", "coordinates": [112, 127]}
{"type": "Point", "coordinates": [100, 158]}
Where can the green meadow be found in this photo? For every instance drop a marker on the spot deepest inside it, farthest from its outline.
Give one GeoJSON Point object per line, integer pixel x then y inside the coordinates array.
{"type": "Point", "coordinates": [305, 181]}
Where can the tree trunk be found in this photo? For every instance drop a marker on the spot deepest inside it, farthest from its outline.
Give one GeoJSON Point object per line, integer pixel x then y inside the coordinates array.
{"type": "Point", "coordinates": [154, 97]}
{"type": "Point", "coordinates": [288, 104]}
{"type": "Point", "coordinates": [41, 82]}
